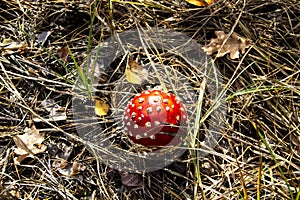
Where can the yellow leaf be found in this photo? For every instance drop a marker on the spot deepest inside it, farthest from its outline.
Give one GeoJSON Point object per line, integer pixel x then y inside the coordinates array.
{"type": "Point", "coordinates": [201, 2]}
{"type": "Point", "coordinates": [135, 73]}
{"type": "Point", "coordinates": [101, 108]}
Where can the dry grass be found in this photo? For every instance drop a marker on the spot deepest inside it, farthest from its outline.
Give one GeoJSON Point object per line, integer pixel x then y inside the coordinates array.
{"type": "Point", "coordinates": [258, 155]}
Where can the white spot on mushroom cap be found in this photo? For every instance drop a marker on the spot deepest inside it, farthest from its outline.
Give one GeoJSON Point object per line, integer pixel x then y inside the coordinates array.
{"type": "Point", "coordinates": [158, 108]}
{"type": "Point", "coordinates": [168, 108]}
{"type": "Point", "coordinates": [133, 114]}
{"type": "Point", "coordinates": [148, 124]}
{"type": "Point", "coordinates": [152, 137]}
{"type": "Point", "coordinates": [138, 137]}
{"type": "Point", "coordinates": [165, 100]}
{"type": "Point", "coordinates": [154, 99]}
{"type": "Point", "coordinates": [141, 100]}
{"type": "Point", "coordinates": [149, 110]}
{"type": "Point", "coordinates": [140, 108]}
{"type": "Point", "coordinates": [136, 126]}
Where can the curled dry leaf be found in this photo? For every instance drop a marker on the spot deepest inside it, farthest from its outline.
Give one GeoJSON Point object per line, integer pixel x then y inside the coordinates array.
{"type": "Point", "coordinates": [63, 53]}
{"type": "Point", "coordinates": [60, 150]}
{"type": "Point", "coordinates": [201, 2]}
{"type": "Point", "coordinates": [29, 144]}
{"type": "Point", "coordinates": [43, 36]}
{"type": "Point", "coordinates": [68, 168]}
{"type": "Point", "coordinates": [9, 46]}
{"type": "Point", "coordinates": [131, 180]}
{"type": "Point", "coordinates": [233, 45]}
{"type": "Point", "coordinates": [135, 73]}
{"type": "Point", "coordinates": [101, 108]}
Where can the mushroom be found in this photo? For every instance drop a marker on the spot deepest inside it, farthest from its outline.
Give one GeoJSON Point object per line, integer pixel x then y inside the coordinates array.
{"type": "Point", "coordinates": [155, 118]}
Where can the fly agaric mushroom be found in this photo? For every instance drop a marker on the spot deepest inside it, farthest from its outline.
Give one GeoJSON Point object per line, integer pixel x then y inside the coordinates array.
{"type": "Point", "coordinates": [155, 118]}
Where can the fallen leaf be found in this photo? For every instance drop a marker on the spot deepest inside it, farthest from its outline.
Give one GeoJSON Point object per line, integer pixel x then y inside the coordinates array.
{"type": "Point", "coordinates": [131, 180]}
{"type": "Point", "coordinates": [68, 168]}
{"type": "Point", "coordinates": [63, 53]}
{"type": "Point", "coordinates": [9, 46]}
{"type": "Point", "coordinates": [233, 45]}
{"type": "Point", "coordinates": [6, 42]}
{"type": "Point", "coordinates": [60, 150]}
{"type": "Point", "coordinates": [201, 2]}
{"type": "Point", "coordinates": [101, 108]}
{"type": "Point", "coordinates": [29, 144]}
{"type": "Point", "coordinates": [56, 112]}
{"type": "Point", "coordinates": [135, 73]}
{"type": "Point", "coordinates": [43, 36]}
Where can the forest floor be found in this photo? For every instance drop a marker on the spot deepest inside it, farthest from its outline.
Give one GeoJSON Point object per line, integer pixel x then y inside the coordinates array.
{"type": "Point", "coordinates": [44, 46]}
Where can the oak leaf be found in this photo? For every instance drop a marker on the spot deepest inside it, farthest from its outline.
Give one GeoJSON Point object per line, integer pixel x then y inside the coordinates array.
{"type": "Point", "coordinates": [233, 45]}
{"type": "Point", "coordinates": [29, 144]}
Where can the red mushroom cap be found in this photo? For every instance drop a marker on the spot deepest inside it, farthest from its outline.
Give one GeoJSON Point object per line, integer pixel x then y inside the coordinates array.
{"type": "Point", "coordinates": [155, 118]}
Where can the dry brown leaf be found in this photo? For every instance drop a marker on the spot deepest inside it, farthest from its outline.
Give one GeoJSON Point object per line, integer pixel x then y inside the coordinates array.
{"type": "Point", "coordinates": [233, 45]}
{"type": "Point", "coordinates": [9, 46]}
{"type": "Point", "coordinates": [68, 168]}
{"type": "Point", "coordinates": [131, 180]}
{"type": "Point", "coordinates": [63, 53]}
{"type": "Point", "coordinates": [29, 144]}
{"type": "Point", "coordinates": [101, 108]}
{"type": "Point", "coordinates": [135, 73]}
{"type": "Point", "coordinates": [201, 2]}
